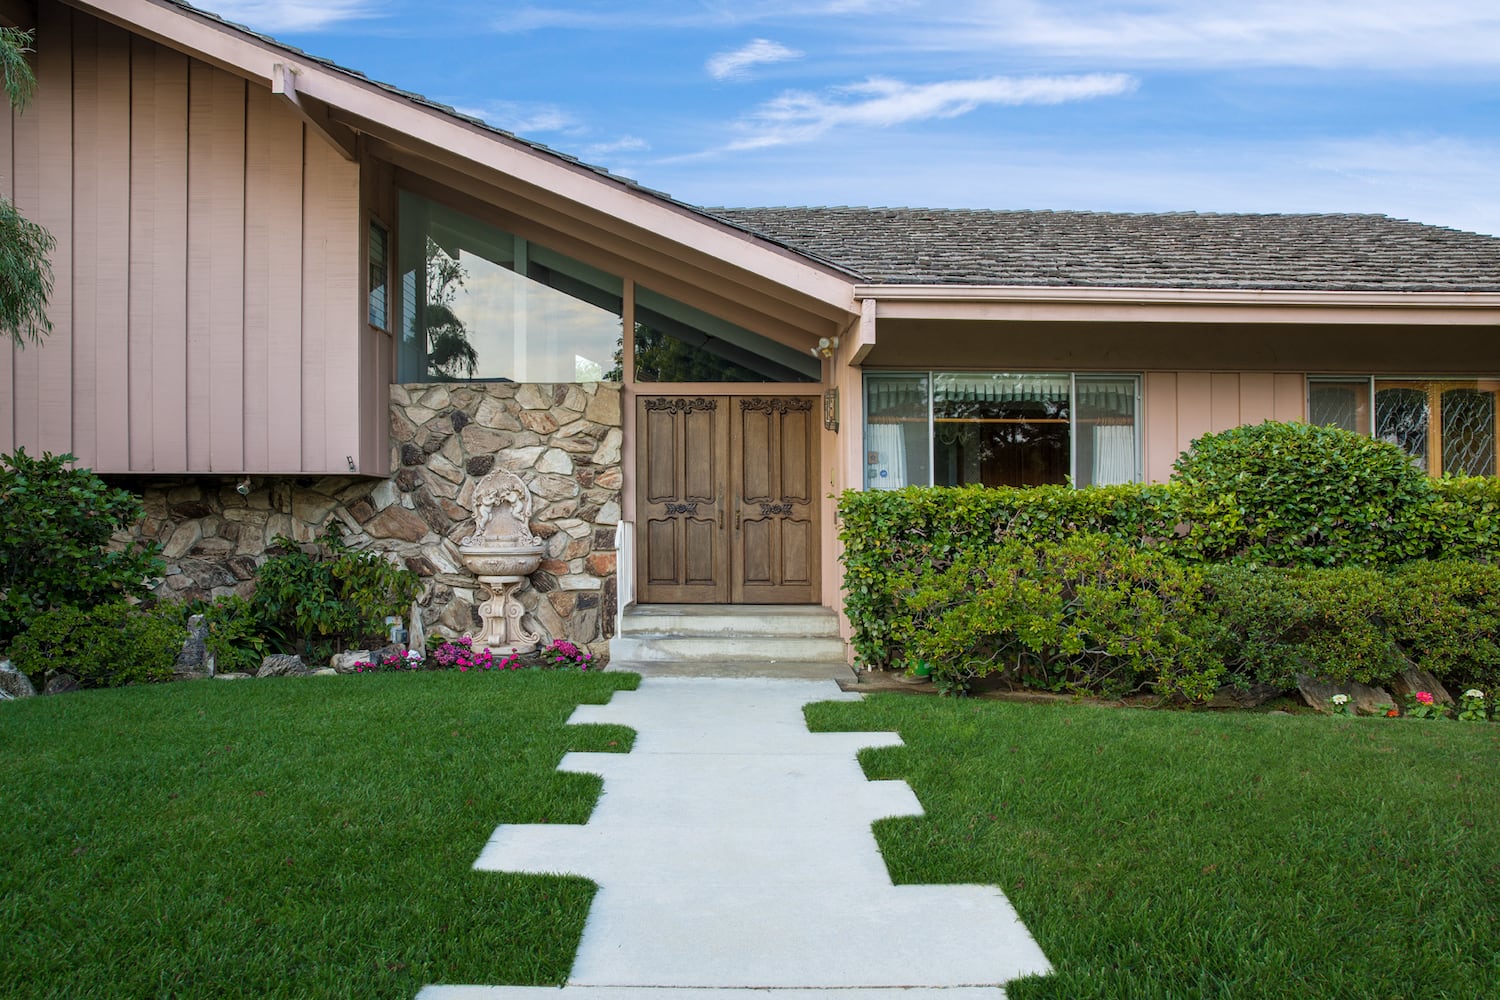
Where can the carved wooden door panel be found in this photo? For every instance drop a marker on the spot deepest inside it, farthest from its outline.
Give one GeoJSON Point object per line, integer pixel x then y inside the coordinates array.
{"type": "Point", "coordinates": [727, 509]}
{"type": "Point", "coordinates": [774, 492]}
{"type": "Point", "coordinates": [682, 468]}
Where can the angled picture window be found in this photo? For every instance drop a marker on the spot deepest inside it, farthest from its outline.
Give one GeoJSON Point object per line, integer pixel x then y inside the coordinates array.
{"type": "Point", "coordinates": [479, 303]}
{"type": "Point", "coordinates": [675, 342]}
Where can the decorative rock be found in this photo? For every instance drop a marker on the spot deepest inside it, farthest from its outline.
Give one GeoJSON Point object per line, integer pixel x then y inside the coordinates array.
{"type": "Point", "coordinates": [479, 440]}
{"type": "Point", "coordinates": [397, 522]}
{"type": "Point", "coordinates": [402, 429]}
{"type": "Point", "coordinates": [419, 415]}
{"type": "Point", "coordinates": [480, 465]}
{"type": "Point", "coordinates": [1409, 682]}
{"type": "Point", "coordinates": [195, 657]}
{"type": "Point", "coordinates": [411, 454]}
{"type": "Point", "coordinates": [13, 683]}
{"type": "Point", "coordinates": [555, 460]}
{"type": "Point", "coordinates": [534, 397]}
{"type": "Point", "coordinates": [603, 563]}
{"type": "Point", "coordinates": [1232, 696]}
{"type": "Point", "coordinates": [182, 541]}
{"type": "Point", "coordinates": [604, 408]}
{"type": "Point", "coordinates": [609, 451]}
{"type": "Point", "coordinates": [421, 565]}
{"type": "Point", "coordinates": [459, 419]}
{"type": "Point", "coordinates": [323, 672]}
{"type": "Point", "coordinates": [539, 421]}
{"type": "Point", "coordinates": [233, 675]}
{"type": "Point", "coordinates": [61, 684]}
{"type": "Point", "coordinates": [579, 581]}
{"type": "Point", "coordinates": [282, 665]}
{"type": "Point", "coordinates": [343, 663]}
{"type": "Point", "coordinates": [1364, 700]}
{"type": "Point", "coordinates": [609, 514]}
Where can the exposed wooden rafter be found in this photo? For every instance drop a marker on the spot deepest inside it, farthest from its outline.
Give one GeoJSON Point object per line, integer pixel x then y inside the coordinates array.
{"type": "Point", "coordinates": [314, 113]}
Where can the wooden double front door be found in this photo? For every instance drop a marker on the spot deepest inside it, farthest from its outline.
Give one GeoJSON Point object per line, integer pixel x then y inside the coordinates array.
{"type": "Point", "coordinates": [727, 509]}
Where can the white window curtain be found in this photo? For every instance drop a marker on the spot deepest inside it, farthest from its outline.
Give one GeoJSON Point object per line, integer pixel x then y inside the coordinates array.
{"type": "Point", "coordinates": [1114, 455]}
{"type": "Point", "coordinates": [885, 467]}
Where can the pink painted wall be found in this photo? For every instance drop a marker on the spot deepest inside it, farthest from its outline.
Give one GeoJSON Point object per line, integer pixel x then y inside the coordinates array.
{"type": "Point", "coordinates": [208, 307]}
{"type": "Point", "coordinates": [1181, 406]}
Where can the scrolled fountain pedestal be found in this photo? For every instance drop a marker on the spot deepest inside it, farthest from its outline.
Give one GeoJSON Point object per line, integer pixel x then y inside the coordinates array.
{"type": "Point", "coordinates": [502, 552]}
{"type": "Point", "coordinates": [502, 616]}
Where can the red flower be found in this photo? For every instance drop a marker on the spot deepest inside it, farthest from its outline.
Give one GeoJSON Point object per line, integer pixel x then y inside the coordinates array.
{"type": "Point", "coordinates": [1424, 697]}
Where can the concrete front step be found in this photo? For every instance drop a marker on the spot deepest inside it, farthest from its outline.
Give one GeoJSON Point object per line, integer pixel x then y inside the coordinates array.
{"type": "Point", "coordinates": [803, 670]}
{"type": "Point", "coordinates": [737, 640]}
{"type": "Point", "coordinates": [772, 620]}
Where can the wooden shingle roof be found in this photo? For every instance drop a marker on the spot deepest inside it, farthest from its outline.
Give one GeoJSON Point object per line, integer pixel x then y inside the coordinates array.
{"type": "Point", "coordinates": [1335, 252]}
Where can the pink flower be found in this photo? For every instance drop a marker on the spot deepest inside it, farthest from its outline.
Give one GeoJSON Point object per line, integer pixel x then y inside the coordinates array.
{"type": "Point", "coordinates": [1424, 697]}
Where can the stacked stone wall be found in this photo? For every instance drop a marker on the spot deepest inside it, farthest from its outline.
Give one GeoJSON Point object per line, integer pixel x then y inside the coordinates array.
{"type": "Point", "coordinates": [564, 440]}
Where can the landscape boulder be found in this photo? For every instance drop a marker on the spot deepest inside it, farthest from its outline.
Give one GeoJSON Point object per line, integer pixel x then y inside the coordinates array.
{"type": "Point", "coordinates": [282, 665]}
{"type": "Point", "coordinates": [13, 683]}
{"type": "Point", "coordinates": [61, 684]}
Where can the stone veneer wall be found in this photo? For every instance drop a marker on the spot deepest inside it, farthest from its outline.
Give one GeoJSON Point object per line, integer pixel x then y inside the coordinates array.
{"type": "Point", "coordinates": [564, 441]}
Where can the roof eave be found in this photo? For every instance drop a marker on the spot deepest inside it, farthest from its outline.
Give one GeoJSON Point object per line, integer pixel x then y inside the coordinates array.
{"type": "Point", "coordinates": [1179, 305]}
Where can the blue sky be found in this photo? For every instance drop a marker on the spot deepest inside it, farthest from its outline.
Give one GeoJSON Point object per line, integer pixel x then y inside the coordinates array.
{"type": "Point", "coordinates": [1382, 106]}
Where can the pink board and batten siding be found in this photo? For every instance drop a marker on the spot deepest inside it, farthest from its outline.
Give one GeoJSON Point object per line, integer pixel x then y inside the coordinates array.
{"type": "Point", "coordinates": [207, 311]}
{"type": "Point", "coordinates": [1181, 406]}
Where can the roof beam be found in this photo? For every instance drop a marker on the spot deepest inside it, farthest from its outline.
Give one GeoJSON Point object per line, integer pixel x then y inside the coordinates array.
{"type": "Point", "coordinates": [315, 114]}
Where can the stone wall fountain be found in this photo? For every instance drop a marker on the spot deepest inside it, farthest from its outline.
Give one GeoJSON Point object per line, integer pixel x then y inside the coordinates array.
{"type": "Point", "coordinates": [502, 552]}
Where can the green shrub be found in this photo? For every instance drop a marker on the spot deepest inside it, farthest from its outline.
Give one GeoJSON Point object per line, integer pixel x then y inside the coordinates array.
{"type": "Point", "coordinates": [1090, 613]}
{"type": "Point", "coordinates": [325, 597]}
{"type": "Point", "coordinates": [237, 637]}
{"type": "Point", "coordinates": [891, 536]}
{"type": "Point", "coordinates": [106, 646]}
{"type": "Point", "coordinates": [1465, 522]}
{"type": "Point", "coordinates": [1447, 620]}
{"type": "Point", "coordinates": [1330, 623]}
{"type": "Point", "coordinates": [1290, 494]}
{"type": "Point", "coordinates": [55, 529]}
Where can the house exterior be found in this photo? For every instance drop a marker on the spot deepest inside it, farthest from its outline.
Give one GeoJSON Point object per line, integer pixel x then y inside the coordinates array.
{"type": "Point", "coordinates": [288, 296]}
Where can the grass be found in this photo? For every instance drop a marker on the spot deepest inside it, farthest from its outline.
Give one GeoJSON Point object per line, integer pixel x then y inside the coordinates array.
{"type": "Point", "coordinates": [1185, 855]}
{"type": "Point", "coordinates": [289, 838]}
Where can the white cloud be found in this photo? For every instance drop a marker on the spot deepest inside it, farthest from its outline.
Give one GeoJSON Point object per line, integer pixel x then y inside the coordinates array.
{"type": "Point", "coordinates": [293, 15]}
{"type": "Point", "coordinates": [677, 15]}
{"type": "Point", "coordinates": [624, 144]}
{"type": "Point", "coordinates": [736, 63]}
{"type": "Point", "coordinates": [799, 116]}
{"type": "Point", "coordinates": [1379, 34]}
{"type": "Point", "coordinates": [524, 119]}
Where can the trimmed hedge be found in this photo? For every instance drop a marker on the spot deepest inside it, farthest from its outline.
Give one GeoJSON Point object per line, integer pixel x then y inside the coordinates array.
{"type": "Point", "coordinates": [1089, 613]}
{"type": "Point", "coordinates": [1274, 497]}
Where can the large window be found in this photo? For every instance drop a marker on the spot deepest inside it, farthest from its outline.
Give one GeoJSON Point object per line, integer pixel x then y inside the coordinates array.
{"type": "Point", "coordinates": [1447, 426]}
{"type": "Point", "coordinates": [675, 342]}
{"type": "Point", "coordinates": [1000, 429]}
{"type": "Point", "coordinates": [480, 303]}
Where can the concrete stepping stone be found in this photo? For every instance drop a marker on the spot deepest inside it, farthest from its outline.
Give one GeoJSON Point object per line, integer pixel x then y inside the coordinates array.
{"type": "Point", "coordinates": [733, 852]}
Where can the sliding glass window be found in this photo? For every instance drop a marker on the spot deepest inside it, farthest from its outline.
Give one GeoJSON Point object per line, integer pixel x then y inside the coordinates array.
{"type": "Point", "coordinates": [1000, 429]}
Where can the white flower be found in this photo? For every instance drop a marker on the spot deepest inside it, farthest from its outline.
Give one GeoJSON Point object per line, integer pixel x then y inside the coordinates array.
{"type": "Point", "coordinates": [1340, 699]}
{"type": "Point", "coordinates": [1474, 693]}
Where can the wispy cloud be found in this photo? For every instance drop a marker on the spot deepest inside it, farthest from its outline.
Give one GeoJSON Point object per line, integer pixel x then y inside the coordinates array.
{"type": "Point", "coordinates": [736, 63]}
{"type": "Point", "coordinates": [799, 116]}
{"type": "Point", "coordinates": [524, 118]}
{"type": "Point", "coordinates": [1330, 33]}
{"type": "Point", "coordinates": [676, 15]}
{"type": "Point", "coordinates": [624, 144]}
{"type": "Point", "coordinates": [294, 15]}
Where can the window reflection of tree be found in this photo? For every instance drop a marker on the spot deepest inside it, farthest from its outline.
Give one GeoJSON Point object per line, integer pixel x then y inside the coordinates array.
{"type": "Point", "coordinates": [1019, 442]}
{"type": "Point", "coordinates": [450, 355]}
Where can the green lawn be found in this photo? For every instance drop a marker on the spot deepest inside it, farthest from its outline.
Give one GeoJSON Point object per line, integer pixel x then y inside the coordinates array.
{"type": "Point", "coordinates": [1183, 855]}
{"type": "Point", "coordinates": [288, 838]}
{"type": "Point", "coordinates": [314, 837]}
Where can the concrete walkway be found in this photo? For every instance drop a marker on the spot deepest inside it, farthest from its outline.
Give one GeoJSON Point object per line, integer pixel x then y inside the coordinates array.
{"type": "Point", "coordinates": [733, 853]}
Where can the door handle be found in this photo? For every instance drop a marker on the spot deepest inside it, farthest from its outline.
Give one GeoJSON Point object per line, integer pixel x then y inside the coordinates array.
{"type": "Point", "coordinates": [721, 516]}
{"type": "Point", "coordinates": [736, 513]}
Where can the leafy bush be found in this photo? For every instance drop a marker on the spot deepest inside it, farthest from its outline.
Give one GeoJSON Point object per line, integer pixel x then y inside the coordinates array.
{"type": "Point", "coordinates": [1465, 521]}
{"type": "Point", "coordinates": [106, 646]}
{"type": "Point", "coordinates": [1326, 622]}
{"type": "Point", "coordinates": [892, 536]}
{"type": "Point", "coordinates": [326, 596]}
{"type": "Point", "coordinates": [1290, 494]}
{"type": "Point", "coordinates": [1447, 620]}
{"type": "Point", "coordinates": [236, 635]}
{"type": "Point", "coordinates": [1088, 614]}
{"type": "Point", "coordinates": [55, 530]}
